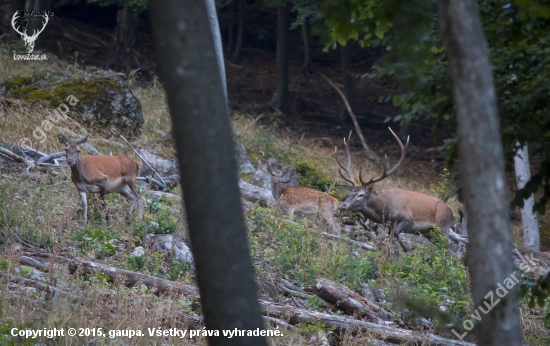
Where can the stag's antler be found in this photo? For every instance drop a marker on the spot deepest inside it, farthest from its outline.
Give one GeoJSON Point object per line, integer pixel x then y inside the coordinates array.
{"type": "Point", "coordinates": [349, 178]}
{"type": "Point", "coordinates": [13, 19]}
{"type": "Point", "coordinates": [391, 171]}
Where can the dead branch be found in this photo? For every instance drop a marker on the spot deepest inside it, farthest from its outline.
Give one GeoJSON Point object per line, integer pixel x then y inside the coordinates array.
{"type": "Point", "coordinates": [131, 279]}
{"type": "Point", "coordinates": [351, 241]}
{"type": "Point", "coordinates": [24, 260]}
{"type": "Point", "coordinates": [353, 118]}
{"type": "Point", "coordinates": [142, 159]}
{"type": "Point", "coordinates": [47, 158]}
{"type": "Point", "coordinates": [12, 156]}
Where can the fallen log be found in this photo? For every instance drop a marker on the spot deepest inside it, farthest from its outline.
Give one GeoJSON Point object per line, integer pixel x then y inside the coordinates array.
{"type": "Point", "coordinates": [392, 334]}
{"type": "Point", "coordinates": [351, 241]}
{"type": "Point", "coordinates": [345, 299]}
{"type": "Point", "coordinates": [24, 260]}
{"type": "Point", "coordinates": [12, 156]}
{"type": "Point", "coordinates": [130, 279]}
{"type": "Point", "coordinates": [54, 156]}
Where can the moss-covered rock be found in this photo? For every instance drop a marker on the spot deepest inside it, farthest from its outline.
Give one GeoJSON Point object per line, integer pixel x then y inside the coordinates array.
{"type": "Point", "coordinates": [104, 100]}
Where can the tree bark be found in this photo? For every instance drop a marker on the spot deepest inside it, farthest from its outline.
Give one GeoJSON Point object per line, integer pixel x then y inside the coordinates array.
{"type": "Point", "coordinates": [240, 28]}
{"type": "Point", "coordinates": [125, 37]}
{"type": "Point", "coordinates": [307, 49]}
{"type": "Point", "coordinates": [483, 182]}
{"type": "Point", "coordinates": [345, 56]}
{"type": "Point", "coordinates": [531, 236]}
{"type": "Point", "coordinates": [281, 97]}
{"type": "Point", "coordinates": [215, 28]}
{"type": "Point", "coordinates": [204, 141]}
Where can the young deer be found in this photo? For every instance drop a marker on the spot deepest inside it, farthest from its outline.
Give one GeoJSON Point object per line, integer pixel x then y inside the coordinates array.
{"type": "Point", "coordinates": [102, 174]}
{"type": "Point", "coordinates": [303, 201]}
{"type": "Point", "coordinates": [406, 211]}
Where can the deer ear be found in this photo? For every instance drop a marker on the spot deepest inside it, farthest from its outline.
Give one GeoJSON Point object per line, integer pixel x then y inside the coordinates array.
{"type": "Point", "coordinates": [83, 140]}
{"type": "Point", "coordinates": [62, 139]}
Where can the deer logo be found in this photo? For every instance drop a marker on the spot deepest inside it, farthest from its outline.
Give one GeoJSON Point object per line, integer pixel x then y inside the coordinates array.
{"type": "Point", "coordinates": [19, 21]}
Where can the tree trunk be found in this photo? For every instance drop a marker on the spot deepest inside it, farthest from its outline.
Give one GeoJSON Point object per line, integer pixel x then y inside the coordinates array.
{"type": "Point", "coordinates": [307, 49]}
{"type": "Point", "coordinates": [240, 29]}
{"type": "Point", "coordinates": [345, 56]}
{"type": "Point", "coordinates": [125, 37]}
{"type": "Point", "coordinates": [204, 141]}
{"type": "Point", "coordinates": [215, 29]}
{"type": "Point", "coordinates": [483, 182]}
{"type": "Point", "coordinates": [281, 97]}
{"type": "Point", "coordinates": [531, 236]}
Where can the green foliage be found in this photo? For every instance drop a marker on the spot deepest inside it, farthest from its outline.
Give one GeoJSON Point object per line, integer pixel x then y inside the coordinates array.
{"type": "Point", "coordinates": [140, 5]}
{"type": "Point", "coordinates": [443, 188]}
{"type": "Point", "coordinates": [161, 219]}
{"type": "Point", "coordinates": [432, 278]}
{"type": "Point", "coordinates": [519, 50]}
{"type": "Point", "coordinates": [178, 269]}
{"type": "Point", "coordinates": [296, 250]}
{"type": "Point", "coordinates": [315, 301]}
{"type": "Point", "coordinates": [151, 264]}
{"type": "Point", "coordinates": [538, 293]}
{"type": "Point", "coordinates": [96, 240]}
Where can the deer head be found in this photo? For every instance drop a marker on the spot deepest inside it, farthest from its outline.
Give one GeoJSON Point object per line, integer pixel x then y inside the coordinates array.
{"type": "Point", "coordinates": [359, 195]}
{"type": "Point", "coordinates": [29, 40]}
{"type": "Point", "coordinates": [72, 148]}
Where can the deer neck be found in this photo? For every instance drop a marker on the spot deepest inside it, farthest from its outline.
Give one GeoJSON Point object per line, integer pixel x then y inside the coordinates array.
{"type": "Point", "coordinates": [276, 190]}
{"type": "Point", "coordinates": [372, 208]}
{"type": "Point", "coordinates": [77, 171]}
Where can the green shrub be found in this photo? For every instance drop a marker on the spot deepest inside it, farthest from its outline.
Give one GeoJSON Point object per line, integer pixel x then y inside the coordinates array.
{"type": "Point", "coordinates": [297, 250]}
{"type": "Point", "coordinates": [429, 279]}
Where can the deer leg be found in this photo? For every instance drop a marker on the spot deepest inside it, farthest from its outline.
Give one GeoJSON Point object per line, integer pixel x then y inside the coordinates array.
{"type": "Point", "coordinates": [404, 226]}
{"type": "Point", "coordinates": [138, 199]}
{"type": "Point", "coordinates": [84, 206]}
{"type": "Point", "coordinates": [102, 193]}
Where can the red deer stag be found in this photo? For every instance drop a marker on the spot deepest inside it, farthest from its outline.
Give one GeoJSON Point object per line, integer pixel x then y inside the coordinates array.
{"type": "Point", "coordinates": [301, 200]}
{"type": "Point", "coordinates": [102, 174]}
{"type": "Point", "coordinates": [406, 211]}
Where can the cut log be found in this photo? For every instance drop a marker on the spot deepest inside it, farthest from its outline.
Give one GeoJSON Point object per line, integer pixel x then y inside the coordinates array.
{"type": "Point", "coordinates": [391, 334]}
{"type": "Point", "coordinates": [130, 278]}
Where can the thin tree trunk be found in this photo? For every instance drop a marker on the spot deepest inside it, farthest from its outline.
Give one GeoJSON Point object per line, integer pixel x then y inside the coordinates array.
{"type": "Point", "coordinates": [307, 49]}
{"type": "Point", "coordinates": [204, 141]}
{"type": "Point", "coordinates": [125, 37]}
{"type": "Point", "coordinates": [483, 182]}
{"type": "Point", "coordinates": [531, 235]}
{"type": "Point", "coordinates": [345, 56]}
{"type": "Point", "coordinates": [240, 29]}
{"type": "Point", "coordinates": [281, 97]}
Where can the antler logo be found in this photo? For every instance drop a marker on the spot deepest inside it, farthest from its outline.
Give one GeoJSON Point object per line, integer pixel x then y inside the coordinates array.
{"type": "Point", "coordinates": [18, 21]}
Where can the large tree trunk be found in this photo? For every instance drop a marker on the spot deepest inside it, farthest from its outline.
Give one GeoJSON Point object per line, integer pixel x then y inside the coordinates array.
{"type": "Point", "coordinates": [125, 37]}
{"type": "Point", "coordinates": [204, 141]}
{"type": "Point", "coordinates": [531, 236]}
{"type": "Point", "coordinates": [240, 29]}
{"type": "Point", "coordinates": [281, 98]}
{"type": "Point", "coordinates": [345, 56]}
{"type": "Point", "coordinates": [307, 49]}
{"type": "Point", "coordinates": [215, 29]}
{"type": "Point", "coordinates": [484, 186]}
